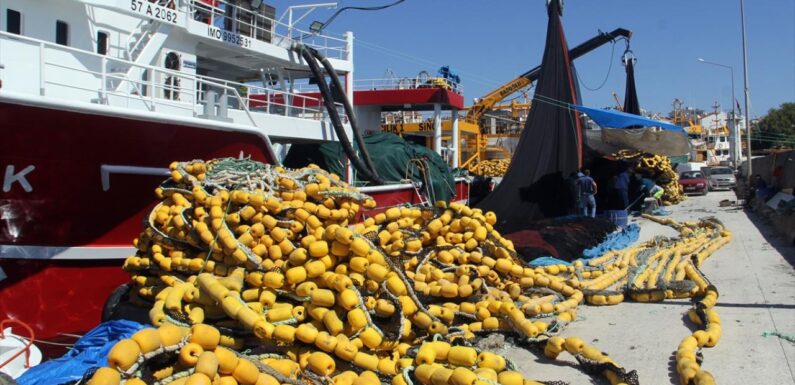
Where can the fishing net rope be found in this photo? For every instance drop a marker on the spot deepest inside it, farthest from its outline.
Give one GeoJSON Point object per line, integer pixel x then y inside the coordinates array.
{"type": "Point", "coordinates": [255, 274]}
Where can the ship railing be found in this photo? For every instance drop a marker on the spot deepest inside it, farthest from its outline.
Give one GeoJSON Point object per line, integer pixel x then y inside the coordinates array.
{"type": "Point", "coordinates": [252, 23]}
{"type": "Point", "coordinates": [69, 73]}
{"type": "Point", "coordinates": [135, 42]}
{"type": "Point", "coordinates": [278, 102]}
{"type": "Point", "coordinates": [407, 83]}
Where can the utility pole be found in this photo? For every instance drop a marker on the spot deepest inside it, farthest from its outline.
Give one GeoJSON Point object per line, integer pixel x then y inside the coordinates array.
{"type": "Point", "coordinates": [745, 82]}
{"type": "Point", "coordinates": [736, 144]}
{"type": "Point", "coordinates": [714, 132]}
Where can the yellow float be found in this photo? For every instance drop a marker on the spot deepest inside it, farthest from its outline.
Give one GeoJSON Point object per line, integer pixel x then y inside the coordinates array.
{"type": "Point", "coordinates": [241, 256]}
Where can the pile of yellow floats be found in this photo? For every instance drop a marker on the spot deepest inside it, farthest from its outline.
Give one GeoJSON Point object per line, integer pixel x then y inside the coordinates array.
{"type": "Point", "coordinates": [660, 167]}
{"type": "Point", "coordinates": [256, 275]}
{"type": "Point", "coordinates": [496, 167]}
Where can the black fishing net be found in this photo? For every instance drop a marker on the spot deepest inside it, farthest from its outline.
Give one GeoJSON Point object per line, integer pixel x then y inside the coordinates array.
{"type": "Point", "coordinates": [562, 238]}
{"type": "Point", "coordinates": [550, 146]}
{"type": "Point", "coordinates": [631, 105]}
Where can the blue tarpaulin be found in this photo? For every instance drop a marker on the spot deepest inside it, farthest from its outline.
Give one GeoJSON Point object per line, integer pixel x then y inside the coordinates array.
{"type": "Point", "coordinates": [615, 241]}
{"type": "Point", "coordinates": [89, 352]}
{"type": "Point", "coordinates": [618, 119]}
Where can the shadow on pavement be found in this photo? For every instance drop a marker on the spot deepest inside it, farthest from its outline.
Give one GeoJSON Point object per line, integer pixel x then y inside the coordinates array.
{"type": "Point", "coordinates": [672, 374]}
{"type": "Point", "coordinates": [727, 305]}
{"type": "Point", "coordinates": [772, 237]}
{"type": "Point", "coordinates": [757, 305]}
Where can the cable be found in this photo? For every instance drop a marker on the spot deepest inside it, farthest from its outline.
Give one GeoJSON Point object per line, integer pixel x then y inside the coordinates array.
{"type": "Point", "coordinates": [376, 8]}
{"type": "Point", "coordinates": [772, 134]}
{"type": "Point", "coordinates": [520, 92]}
{"type": "Point", "coordinates": [417, 60]}
{"type": "Point", "coordinates": [773, 141]}
{"type": "Point", "coordinates": [337, 13]}
{"type": "Point", "coordinates": [552, 101]}
{"type": "Point", "coordinates": [609, 69]}
{"type": "Point", "coordinates": [773, 138]}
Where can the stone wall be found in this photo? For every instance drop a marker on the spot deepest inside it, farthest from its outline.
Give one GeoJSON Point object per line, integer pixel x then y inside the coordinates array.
{"type": "Point", "coordinates": [765, 166]}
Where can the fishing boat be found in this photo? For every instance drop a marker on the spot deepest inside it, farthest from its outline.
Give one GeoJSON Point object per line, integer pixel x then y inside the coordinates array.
{"type": "Point", "coordinates": [97, 97]}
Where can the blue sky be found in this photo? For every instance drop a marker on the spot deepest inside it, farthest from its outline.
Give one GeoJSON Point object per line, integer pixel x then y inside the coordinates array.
{"type": "Point", "coordinates": [490, 42]}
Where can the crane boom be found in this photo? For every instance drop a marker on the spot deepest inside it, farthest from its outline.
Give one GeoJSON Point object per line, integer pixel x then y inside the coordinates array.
{"type": "Point", "coordinates": [495, 96]}
{"type": "Point", "coordinates": [619, 105]}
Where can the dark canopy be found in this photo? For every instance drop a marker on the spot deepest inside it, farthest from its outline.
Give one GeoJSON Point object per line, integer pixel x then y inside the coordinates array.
{"type": "Point", "coordinates": [550, 146]}
{"type": "Point", "coordinates": [631, 105]}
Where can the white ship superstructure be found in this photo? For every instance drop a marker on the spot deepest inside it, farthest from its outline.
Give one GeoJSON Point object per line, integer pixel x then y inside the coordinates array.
{"type": "Point", "coordinates": [191, 59]}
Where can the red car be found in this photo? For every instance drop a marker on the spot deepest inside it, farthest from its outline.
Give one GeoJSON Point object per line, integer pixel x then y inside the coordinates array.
{"type": "Point", "coordinates": [693, 182]}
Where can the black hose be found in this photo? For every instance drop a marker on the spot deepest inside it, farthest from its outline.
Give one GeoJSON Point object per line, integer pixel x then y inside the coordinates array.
{"type": "Point", "coordinates": [336, 122]}
{"type": "Point", "coordinates": [357, 134]}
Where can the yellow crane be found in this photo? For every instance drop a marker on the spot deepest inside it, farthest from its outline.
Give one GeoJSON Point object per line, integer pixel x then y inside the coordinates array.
{"type": "Point", "coordinates": [488, 101]}
{"type": "Point", "coordinates": [477, 141]}
{"type": "Point", "coordinates": [619, 105]}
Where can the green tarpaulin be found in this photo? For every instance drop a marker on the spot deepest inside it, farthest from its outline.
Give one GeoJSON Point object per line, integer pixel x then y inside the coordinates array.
{"type": "Point", "coordinates": [394, 159]}
{"type": "Point", "coordinates": [678, 159]}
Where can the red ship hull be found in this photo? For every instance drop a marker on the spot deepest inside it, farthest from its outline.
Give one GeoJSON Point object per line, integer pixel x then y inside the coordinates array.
{"type": "Point", "coordinates": [76, 188]}
{"type": "Point", "coordinates": [54, 205]}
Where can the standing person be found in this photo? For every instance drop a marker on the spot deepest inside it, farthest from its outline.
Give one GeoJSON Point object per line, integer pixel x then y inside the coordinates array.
{"type": "Point", "coordinates": [574, 192]}
{"type": "Point", "coordinates": [759, 187]}
{"type": "Point", "coordinates": [641, 190]}
{"type": "Point", "coordinates": [621, 185]}
{"type": "Point", "coordinates": [587, 188]}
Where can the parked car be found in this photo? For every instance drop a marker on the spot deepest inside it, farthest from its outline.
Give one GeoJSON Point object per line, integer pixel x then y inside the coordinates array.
{"type": "Point", "coordinates": [721, 178]}
{"type": "Point", "coordinates": [693, 182]}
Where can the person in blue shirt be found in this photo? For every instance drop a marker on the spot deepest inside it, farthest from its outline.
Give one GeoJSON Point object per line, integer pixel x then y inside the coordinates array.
{"type": "Point", "coordinates": [587, 188]}
{"type": "Point", "coordinates": [652, 189]}
{"type": "Point", "coordinates": [760, 188]}
{"type": "Point", "coordinates": [621, 187]}
{"type": "Point", "coordinates": [647, 183]}
{"type": "Point", "coordinates": [574, 193]}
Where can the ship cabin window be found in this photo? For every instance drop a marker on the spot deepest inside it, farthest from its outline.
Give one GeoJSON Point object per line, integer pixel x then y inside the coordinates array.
{"type": "Point", "coordinates": [144, 83]}
{"type": "Point", "coordinates": [102, 43]}
{"type": "Point", "coordinates": [13, 21]}
{"type": "Point", "coordinates": [171, 89]}
{"type": "Point", "coordinates": [61, 32]}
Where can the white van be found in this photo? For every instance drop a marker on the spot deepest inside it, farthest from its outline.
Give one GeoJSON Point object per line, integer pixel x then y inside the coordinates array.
{"type": "Point", "coordinates": [690, 166]}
